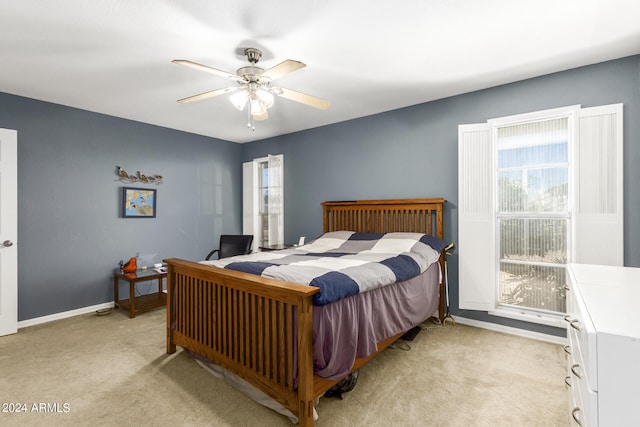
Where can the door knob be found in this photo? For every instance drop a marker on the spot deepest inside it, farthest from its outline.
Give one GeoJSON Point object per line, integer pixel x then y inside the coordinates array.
{"type": "Point", "coordinates": [7, 243]}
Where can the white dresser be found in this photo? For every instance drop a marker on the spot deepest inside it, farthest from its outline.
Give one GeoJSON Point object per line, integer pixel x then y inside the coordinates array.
{"type": "Point", "coordinates": [603, 334]}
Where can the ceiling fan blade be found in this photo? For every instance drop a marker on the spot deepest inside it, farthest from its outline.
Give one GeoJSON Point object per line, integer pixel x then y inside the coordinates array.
{"type": "Point", "coordinates": [206, 68]}
{"type": "Point", "coordinates": [263, 116]}
{"type": "Point", "coordinates": [303, 98]}
{"type": "Point", "coordinates": [285, 67]}
{"type": "Point", "coordinates": [206, 95]}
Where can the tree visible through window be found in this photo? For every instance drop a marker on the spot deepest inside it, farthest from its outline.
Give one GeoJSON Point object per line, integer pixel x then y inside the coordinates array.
{"type": "Point", "coordinates": [533, 216]}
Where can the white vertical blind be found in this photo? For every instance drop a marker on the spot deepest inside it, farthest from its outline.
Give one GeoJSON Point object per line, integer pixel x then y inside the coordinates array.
{"type": "Point", "coordinates": [599, 225]}
{"type": "Point", "coordinates": [598, 164]}
{"type": "Point", "coordinates": [275, 194]}
{"type": "Point", "coordinates": [475, 218]}
{"type": "Point", "coordinates": [476, 176]}
{"type": "Point", "coordinates": [250, 202]}
{"type": "Point", "coordinates": [533, 160]}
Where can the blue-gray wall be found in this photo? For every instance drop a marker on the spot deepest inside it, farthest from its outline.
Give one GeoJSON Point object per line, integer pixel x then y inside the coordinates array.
{"type": "Point", "coordinates": [412, 152]}
{"type": "Point", "coordinates": [70, 230]}
{"type": "Point", "coordinates": [71, 234]}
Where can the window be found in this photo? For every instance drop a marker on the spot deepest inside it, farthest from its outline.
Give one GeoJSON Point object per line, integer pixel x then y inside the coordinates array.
{"type": "Point", "coordinates": [533, 216]}
{"type": "Point", "coordinates": [537, 191]}
{"type": "Point", "coordinates": [263, 200]}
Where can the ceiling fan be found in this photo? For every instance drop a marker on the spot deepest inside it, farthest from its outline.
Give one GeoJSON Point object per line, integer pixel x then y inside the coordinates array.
{"type": "Point", "coordinates": [254, 86]}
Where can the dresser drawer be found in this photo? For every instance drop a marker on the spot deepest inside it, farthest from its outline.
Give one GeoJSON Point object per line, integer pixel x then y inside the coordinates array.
{"type": "Point", "coordinates": [579, 362]}
{"type": "Point", "coordinates": [583, 405]}
{"type": "Point", "coordinates": [583, 402]}
{"type": "Point", "coordinates": [581, 335]}
{"type": "Point", "coordinates": [587, 412]}
{"type": "Point", "coordinates": [575, 411]}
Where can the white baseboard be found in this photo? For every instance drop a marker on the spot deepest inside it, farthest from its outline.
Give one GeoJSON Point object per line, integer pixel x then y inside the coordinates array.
{"type": "Point", "coordinates": [513, 331]}
{"type": "Point", "coordinates": [462, 320]}
{"type": "Point", "coordinates": [63, 315]}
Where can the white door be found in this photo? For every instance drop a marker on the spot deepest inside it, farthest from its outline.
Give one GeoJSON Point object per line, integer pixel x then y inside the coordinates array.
{"type": "Point", "coordinates": [8, 231]}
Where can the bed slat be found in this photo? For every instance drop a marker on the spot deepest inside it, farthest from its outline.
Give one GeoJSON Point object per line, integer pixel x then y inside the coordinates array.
{"type": "Point", "coordinates": [252, 328]}
{"type": "Point", "coordinates": [385, 216]}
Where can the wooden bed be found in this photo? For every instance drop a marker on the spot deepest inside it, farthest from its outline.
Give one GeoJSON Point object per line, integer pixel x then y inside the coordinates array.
{"type": "Point", "coordinates": [249, 324]}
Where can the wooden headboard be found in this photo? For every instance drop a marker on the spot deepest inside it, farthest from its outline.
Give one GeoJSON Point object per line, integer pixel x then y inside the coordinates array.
{"type": "Point", "coordinates": [385, 216]}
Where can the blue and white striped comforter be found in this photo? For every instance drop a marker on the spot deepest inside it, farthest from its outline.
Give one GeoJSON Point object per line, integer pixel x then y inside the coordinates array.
{"type": "Point", "coordinates": [343, 263]}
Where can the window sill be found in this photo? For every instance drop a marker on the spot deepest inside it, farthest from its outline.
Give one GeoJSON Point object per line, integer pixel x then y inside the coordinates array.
{"type": "Point", "coordinates": [541, 319]}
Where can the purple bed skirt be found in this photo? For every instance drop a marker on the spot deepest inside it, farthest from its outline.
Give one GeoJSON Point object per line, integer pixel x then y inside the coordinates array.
{"type": "Point", "coordinates": [351, 328]}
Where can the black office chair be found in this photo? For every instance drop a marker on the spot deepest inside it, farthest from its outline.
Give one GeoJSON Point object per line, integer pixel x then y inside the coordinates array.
{"type": "Point", "coordinates": [231, 245]}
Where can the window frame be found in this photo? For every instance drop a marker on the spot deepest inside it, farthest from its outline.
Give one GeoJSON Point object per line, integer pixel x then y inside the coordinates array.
{"type": "Point", "coordinates": [597, 210]}
{"type": "Point", "coordinates": [253, 217]}
{"type": "Point", "coordinates": [568, 113]}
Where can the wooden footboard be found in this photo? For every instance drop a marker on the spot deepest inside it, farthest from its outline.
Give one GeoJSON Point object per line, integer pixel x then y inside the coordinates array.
{"type": "Point", "coordinates": [247, 324]}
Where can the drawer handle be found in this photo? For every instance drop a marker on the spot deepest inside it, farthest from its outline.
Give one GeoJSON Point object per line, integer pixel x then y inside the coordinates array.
{"type": "Point", "coordinates": [573, 324]}
{"type": "Point", "coordinates": [567, 349]}
{"type": "Point", "coordinates": [574, 415]}
{"type": "Point", "coordinates": [567, 381]}
{"type": "Point", "coordinates": [574, 370]}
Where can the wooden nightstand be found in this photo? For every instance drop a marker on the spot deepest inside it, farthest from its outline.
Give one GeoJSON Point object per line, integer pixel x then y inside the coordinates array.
{"type": "Point", "coordinates": [140, 303]}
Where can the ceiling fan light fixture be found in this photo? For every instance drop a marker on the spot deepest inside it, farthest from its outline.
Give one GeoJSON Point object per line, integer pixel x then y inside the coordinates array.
{"type": "Point", "coordinates": [239, 99]}
{"type": "Point", "coordinates": [257, 107]}
{"type": "Point", "coordinates": [265, 97]}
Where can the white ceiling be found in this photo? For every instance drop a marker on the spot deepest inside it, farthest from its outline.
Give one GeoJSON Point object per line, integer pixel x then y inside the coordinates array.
{"type": "Point", "coordinates": [365, 57]}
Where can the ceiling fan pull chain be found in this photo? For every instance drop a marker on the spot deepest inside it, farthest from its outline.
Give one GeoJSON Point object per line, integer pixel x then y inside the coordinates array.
{"type": "Point", "coordinates": [250, 119]}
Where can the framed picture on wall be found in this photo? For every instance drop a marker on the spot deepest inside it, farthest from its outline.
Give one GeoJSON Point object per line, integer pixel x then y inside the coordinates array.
{"type": "Point", "coordinates": [138, 202]}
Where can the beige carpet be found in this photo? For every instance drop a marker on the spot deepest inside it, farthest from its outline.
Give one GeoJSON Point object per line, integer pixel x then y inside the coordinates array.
{"type": "Point", "coordinates": [113, 371]}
